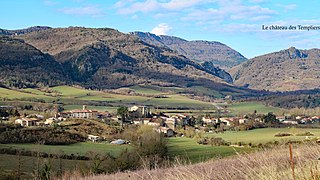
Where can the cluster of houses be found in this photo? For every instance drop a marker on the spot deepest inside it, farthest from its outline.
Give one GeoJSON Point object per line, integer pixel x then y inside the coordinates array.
{"type": "Point", "coordinates": [288, 120]}
{"type": "Point", "coordinates": [37, 120]}
{"type": "Point", "coordinates": [227, 121]}
{"type": "Point", "coordinates": [298, 119]}
{"type": "Point", "coordinates": [161, 123]}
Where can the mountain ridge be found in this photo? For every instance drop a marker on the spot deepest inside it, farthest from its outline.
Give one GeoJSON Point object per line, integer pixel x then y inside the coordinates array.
{"type": "Point", "coordinates": [200, 51]}
{"type": "Point", "coordinates": [121, 42]}
{"type": "Point", "coordinates": [104, 58]}
{"type": "Point", "coordinates": [286, 70]}
{"type": "Point", "coordinates": [23, 31]}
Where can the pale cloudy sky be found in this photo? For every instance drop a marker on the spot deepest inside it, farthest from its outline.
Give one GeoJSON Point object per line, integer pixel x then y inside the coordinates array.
{"type": "Point", "coordinates": [237, 23]}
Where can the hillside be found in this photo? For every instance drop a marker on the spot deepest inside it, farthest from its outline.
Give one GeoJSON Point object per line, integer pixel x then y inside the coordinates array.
{"type": "Point", "coordinates": [286, 70]}
{"type": "Point", "coordinates": [106, 58]}
{"type": "Point", "coordinates": [22, 65]}
{"type": "Point", "coordinates": [267, 164]}
{"type": "Point", "coordinates": [112, 44]}
{"type": "Point", "coordinates": [210, 52]}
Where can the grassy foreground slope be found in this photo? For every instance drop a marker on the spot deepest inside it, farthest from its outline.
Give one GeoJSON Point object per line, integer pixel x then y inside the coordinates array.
{"type": "Point", "coordinates": [267, 164]}
{"type": "Point", "coordinates": [10, 163]}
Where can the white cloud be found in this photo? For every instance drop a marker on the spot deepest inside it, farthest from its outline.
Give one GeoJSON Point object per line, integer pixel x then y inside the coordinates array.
{"type": "Point", "coordinates": [161, 29]}
{"type": "Point", "coordinates": [257, 1]}
{"type": "Point", "coordinates": [236, 28]}
{"type": "Point", "coordinates": [146, 6]}
{"type": "Point", "coordinates": [122, 3]}
{"type": "Point", "coordinates": [93, 11]}
{"type": "Point", "coordinates": [260, 18]}
{"type": "Point", "coordinates": [231, 11]}
{"type": "Point", "coordinates": [178, 4]}
{"type": "Point", "coordinates": [131, 6]}
{"type": "Point", "coordinates": [234, 15]}
{"type": "Point", "coordinates": [287, 7]}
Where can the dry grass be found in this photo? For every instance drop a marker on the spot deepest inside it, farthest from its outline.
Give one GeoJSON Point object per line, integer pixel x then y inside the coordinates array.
{"type": "Point", "coordinates": [266, 164]}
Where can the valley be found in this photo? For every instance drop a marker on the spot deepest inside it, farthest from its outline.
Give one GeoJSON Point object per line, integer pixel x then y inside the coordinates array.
{"type": "Point", "coordinates": [79, 102]}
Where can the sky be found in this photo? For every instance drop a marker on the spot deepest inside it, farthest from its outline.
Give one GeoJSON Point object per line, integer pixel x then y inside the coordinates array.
{"type": "Point", "coordinates": [240, 24]}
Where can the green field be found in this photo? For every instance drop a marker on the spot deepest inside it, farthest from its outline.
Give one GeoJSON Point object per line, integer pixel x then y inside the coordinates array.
{"type": "Point", "coordinates": [76, 96]}
{"type": "Point", "coordinates": [182, 147]}
{"type": "Point", "coordinates": [73, 97]}
{"type": "Point", "coordinates": [77, 149]}
{"type": "Point", "coordinates": [264, 135]}
{"type": "Point", "coordinates": [207, 91]}
{"type": "Point", "coordinates": [98, 108]}
{"type": "Point", "coordinates": [141, 89]}
{"type": "Point", "coordinates": [176, 101]}
{"type": "Point", "coordinates": [14, 94]}
{"type": "Point", "coordinates": [10, 163]}
{"type": "Point", "coordinates": [249, 107]}
{"type": "Point", "coordinates": [189, 149]}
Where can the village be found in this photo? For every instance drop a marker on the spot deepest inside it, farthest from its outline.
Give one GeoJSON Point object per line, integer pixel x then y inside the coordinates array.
{"type": "Point", "coordinates": [168, 124]}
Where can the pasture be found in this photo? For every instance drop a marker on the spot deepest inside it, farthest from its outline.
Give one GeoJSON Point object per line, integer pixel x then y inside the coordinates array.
{"type": "Point", "coordinates": [264, 135]}
{"type": "Point", "coordinates": [188, 149]}
{"type": "Point", "coordinates": [81, 148]}
{"type": "Point", "coordinates": [77, 96]}
{"type": "Point", "coordinates": [242, 108]}
{"type": "Point", "coordinates": [9, 165]}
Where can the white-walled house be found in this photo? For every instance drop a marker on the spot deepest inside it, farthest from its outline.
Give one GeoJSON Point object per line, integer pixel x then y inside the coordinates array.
{"type": "Point", "coordinates": [94, 138]}
{"type": "Point", "coordinates": [83, 113]}
{"type": "Point", "coordinates": [25, 122]}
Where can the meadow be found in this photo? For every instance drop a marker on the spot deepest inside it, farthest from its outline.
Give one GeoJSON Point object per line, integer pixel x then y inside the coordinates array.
{"type": "Point", "coordinates": [76, 96]}
{"type": "Point", "coordinates": [264, 135]}
{"type": "Point", "coordinates": [189, 150]}
{"type": "Point", "coordinates": [242, 108]}
{"type": "Point", "coordinates": [9, 165]}
{"type": "Point", "coordinates": [184, 150]}
{"type": "Point", "coordinates": [81, 148]}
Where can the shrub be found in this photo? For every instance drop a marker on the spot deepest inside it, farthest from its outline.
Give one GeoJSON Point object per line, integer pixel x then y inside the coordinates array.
{"type": "Point", "coordinates": [307, 133]}
{"type": "Point", "coordinates": [190, 133]}
{"type": "Point", "coordinates": [282, 134]}
{"type": "Point", "coordinates": [217, 141]}
{"type": "Point", "coordinates": [48, 136]}
{"type": "Point", "coordinates": [214, 141]}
